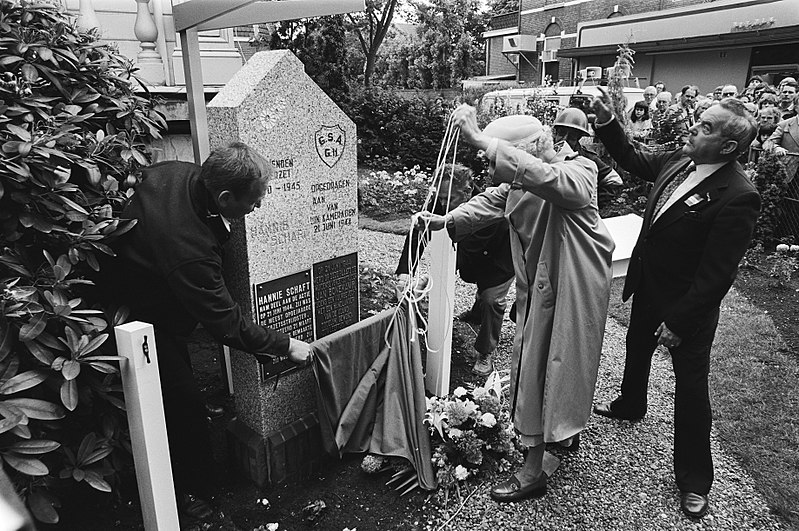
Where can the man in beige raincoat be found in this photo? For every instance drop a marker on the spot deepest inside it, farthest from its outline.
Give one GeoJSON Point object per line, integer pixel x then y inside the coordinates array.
{"type": "Point", "coordinates": [562, 258]}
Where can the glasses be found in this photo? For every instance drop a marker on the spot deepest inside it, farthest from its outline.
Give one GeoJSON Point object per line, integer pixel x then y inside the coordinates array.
{"type": "Point", "coordinates": [728, 93]}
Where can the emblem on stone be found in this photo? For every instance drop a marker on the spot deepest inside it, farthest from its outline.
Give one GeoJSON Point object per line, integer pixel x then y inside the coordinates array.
{"type": "Point", "coordinates": [330, 141]}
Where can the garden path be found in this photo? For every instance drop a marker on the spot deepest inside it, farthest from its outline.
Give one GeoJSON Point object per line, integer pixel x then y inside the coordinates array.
{"type": "Point", "coordinates": [622, 476]}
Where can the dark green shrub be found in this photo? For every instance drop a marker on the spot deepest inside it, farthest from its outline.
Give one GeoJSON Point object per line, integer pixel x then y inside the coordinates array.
{"type": "Point", "coordinates": [770, 178]}
{"type": "Point", "coordinates": [72, 135]}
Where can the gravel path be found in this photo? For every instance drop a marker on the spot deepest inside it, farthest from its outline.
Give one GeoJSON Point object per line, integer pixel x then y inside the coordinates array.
{"type": "Point", "coordinates": [622, 476]}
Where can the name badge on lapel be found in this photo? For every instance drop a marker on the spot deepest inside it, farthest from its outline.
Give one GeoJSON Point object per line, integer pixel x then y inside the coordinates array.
{"type": "Point", "coordinates": [696, 199]}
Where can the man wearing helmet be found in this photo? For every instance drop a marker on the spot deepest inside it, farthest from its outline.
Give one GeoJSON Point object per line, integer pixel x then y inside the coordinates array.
{"type": "Point", "coordinates": [570, 126]}
{"type": "Point", "coordinates": [562, 259]}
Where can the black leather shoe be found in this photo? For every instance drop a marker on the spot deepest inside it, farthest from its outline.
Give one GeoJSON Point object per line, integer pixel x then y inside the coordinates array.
{"type": "Point", "coordinates": [511, 490]}
{"type": "Point", "coordinates": [572, 444]}
{"type": "Point", "coordinates": [606, 410]}
{"type": "Point", "coordinates": [693, 504]}
{"type": "Point", "coordinates": [193, 507]}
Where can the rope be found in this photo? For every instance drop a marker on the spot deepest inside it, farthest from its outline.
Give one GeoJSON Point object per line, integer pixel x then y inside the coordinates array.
{"type": "Point", "coordinates": [417, 288]}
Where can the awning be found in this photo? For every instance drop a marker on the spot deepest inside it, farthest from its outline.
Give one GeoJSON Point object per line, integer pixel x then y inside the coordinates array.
{"type": "Point", "coordinates": [217, 14]}
{"type": "Point", "coordinates": [705, 42]}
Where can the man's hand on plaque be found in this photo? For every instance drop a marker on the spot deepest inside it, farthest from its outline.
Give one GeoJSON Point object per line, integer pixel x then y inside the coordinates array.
{"type": "Point", "coordinates": [299, 352]}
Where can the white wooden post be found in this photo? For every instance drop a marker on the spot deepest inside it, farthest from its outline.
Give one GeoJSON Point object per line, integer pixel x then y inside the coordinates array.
{"type": "Point", "coordinates": [442, 309]}
{"type": "Point", "coordinates": [142, 385]}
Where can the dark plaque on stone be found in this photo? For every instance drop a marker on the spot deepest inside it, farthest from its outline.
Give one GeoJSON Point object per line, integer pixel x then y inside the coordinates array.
{"type": "Point", "coordinates": [335, 284]}
{"type": "Point", "coordinates": [285, 305]}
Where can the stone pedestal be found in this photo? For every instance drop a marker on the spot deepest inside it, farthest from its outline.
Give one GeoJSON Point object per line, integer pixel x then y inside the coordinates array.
{"type": "Point", "coordinates": [293, 263]}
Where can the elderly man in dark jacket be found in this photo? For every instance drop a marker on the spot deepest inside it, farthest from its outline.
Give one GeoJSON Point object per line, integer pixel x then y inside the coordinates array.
{"type": "Point", "coordinates": [698, 223]}
{"type": "Point", "coordinates": [168, 271]}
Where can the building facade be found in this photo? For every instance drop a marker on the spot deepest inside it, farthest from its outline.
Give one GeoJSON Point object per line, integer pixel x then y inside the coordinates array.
{"type": "Point", "coordinates": [701, 42]}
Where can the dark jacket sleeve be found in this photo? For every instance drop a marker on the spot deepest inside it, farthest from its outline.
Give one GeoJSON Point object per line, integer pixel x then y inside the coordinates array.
{"type": "Point", "coordinates": [636, 160]}
{"type": "Point", "coordinates": [416, 245]}
{"type": "Point", "coordinates": [200, 287]}
{"type": "Point", "coordinates": [726, 244]}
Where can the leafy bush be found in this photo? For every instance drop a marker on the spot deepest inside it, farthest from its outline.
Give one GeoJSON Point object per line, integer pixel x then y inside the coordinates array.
{"type": "Point", "coordinates": [72, 134]}
{"type": "Point", "coordinates": [396, 132]}
{"type": "Point", "coordinates": [770, 178]}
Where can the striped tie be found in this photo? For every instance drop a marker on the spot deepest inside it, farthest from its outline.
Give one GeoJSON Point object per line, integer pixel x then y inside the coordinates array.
{"type": "Point", "coordinates": [670, 188]}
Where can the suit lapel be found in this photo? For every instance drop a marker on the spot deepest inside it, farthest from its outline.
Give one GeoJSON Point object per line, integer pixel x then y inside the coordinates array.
{"type": "Point", "coordinates": [718, 180]}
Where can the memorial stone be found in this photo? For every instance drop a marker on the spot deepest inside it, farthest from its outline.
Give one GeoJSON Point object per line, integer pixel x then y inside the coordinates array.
{"type": "Point", "coordinates": [292, 264]}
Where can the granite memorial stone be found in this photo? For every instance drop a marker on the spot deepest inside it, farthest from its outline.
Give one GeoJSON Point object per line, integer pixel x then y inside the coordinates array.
{"type": "Point", "coordinates": [292, 263]}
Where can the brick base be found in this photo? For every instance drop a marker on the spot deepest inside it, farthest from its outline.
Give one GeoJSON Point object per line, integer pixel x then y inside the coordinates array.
{"type": "Point", "coordinates": [290, 454]}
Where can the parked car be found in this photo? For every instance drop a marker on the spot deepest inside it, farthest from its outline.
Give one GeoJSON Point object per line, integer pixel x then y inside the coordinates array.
{"type": "Point", "coordinates": [516, 100]}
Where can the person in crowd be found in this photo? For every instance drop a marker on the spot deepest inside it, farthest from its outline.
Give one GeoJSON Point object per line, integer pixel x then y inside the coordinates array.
{"type": "Point", "coordinates": [767, 99]}
{"type": "Point", "coordinates": [650, 93]}
{"type": "Point", "coordinates": [667, 130]}
{"type": "Point", "coordinates": [639, 125]}
{"type": "Point", "coordinates": [764, 131]}
{"type": "Point", "coordinates": [698, 223]}
{"type": "Point", "coordinates": [660, 86]}
{"type": "Point", "coordinates": [729, 91]}
{"type": "Point", "coordinates": [562, 255]}
{"type": "Point", "coordinates": [754, 83]}
{"type": "Point", "coordinates": [785, 80]}
{"type": "Point", "coordinates": [788, 91]}
{"type": "Point", "coordinates": [769, 115]}
{"type": "Point", "coordinates": [717, 92]}
{"type": "Point", "coordinates": [168, 272]}
{"type": "Point", "coordinates": [570, 126]}
{"type": "Point", "coordinates": [684, 108]}
{"type": "Point", "coordinates": [483, 258]}
{"type": "Point", "coordinates": [702, 105]}
{"type": "Point", "coordinates": [785, 138]}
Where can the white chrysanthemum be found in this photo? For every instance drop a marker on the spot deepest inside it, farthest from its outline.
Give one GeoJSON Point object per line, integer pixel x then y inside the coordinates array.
{"type": "Point", "coordinates": [488, 420]}
{"type": "Point", "coordinates": [479, 392]}
{"type": "Point", "coordinates": [461, 473]}
{"type": "Point", "coordinates": [459, 392]}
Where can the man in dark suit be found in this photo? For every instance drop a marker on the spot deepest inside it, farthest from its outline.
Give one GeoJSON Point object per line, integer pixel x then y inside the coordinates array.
{"type": "Point", "coordinates": [699, 220]}
{"type": "Point", "coordinates": [168, 271]}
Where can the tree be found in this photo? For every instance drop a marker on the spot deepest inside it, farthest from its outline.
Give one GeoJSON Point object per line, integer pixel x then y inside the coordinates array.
{"type": "Point", "coordinates": [371, 28]}
{"type": "Point", "coordinates": [498, 7]}
{"type": "Point", "coordinates": [320, 43]}
{"type": "Point", "coordinates": [450, 46]}
{"type": "Point", "coordinates": [72, 134]}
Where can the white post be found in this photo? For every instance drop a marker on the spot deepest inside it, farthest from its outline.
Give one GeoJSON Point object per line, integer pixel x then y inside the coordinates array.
{"type": "Point", "coordinates": [142, 386]}
{"type": "Point", "coordinates": [442, 309]}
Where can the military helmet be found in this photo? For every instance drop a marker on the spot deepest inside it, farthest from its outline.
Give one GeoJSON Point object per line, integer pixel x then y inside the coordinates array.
{"type": "Point", "coordinates": [573, 118]}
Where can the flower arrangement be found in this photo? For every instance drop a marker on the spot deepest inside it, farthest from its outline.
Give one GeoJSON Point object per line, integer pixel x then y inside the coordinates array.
{"type": "Point", "coordinates": [471, 434]}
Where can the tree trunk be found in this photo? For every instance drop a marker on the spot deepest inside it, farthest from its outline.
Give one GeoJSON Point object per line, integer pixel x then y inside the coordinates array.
{"type": "Point", "coordinates": [369, 69]}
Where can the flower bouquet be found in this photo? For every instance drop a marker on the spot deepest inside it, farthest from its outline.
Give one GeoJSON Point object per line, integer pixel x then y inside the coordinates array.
{"type": "Point", "coordinates": [471, 434]}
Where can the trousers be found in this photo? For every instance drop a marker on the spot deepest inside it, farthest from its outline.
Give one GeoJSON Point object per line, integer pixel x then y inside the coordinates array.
{"type": "Point", "coordinates": [490, 303]}
{"type": "Point", "coordinates": [186, 420]}
{"type": "Point", "coordinates": [693, 463]}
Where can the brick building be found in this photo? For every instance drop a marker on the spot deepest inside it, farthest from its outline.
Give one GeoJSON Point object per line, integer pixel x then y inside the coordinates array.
{"type": "Point", "coordinates": [704, 42]}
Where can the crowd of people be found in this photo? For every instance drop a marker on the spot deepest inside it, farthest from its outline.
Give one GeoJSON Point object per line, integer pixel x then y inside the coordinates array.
{"type": "Point", "coordinates": [661, 121]}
